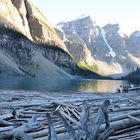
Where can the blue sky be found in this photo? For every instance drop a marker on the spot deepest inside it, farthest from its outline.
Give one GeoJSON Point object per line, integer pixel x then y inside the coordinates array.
{"type": "Point", "coordinates": [124, 12]}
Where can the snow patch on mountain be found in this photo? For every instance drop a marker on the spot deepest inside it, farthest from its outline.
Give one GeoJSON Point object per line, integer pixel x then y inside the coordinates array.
{"type": "Point", "coordinates": [112, 53]}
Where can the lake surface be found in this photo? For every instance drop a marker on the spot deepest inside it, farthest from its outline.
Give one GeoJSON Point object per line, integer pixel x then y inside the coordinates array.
{"type": "Point", "coordinates": [48, 84]}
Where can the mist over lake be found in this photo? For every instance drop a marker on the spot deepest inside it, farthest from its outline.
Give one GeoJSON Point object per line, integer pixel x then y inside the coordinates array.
{"type": "Point", "coordinates": [57, 84]}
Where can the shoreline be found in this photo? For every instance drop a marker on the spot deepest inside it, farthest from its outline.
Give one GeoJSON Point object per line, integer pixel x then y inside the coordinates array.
{"type": "Point", "coordinates": [27, 104]}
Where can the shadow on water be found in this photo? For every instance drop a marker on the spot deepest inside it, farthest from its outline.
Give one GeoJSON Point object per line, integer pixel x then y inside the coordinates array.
{"type": "Point", "coordinates": [57, 84]}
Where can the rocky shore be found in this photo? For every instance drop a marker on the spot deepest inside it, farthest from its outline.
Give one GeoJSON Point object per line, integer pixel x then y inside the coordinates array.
{"type": "Point", "coordinates": [32, 115]}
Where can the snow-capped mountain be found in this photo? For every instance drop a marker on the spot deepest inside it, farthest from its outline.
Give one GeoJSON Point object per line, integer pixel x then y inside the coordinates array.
{"type": "Point", "coordinates": [106, 50]}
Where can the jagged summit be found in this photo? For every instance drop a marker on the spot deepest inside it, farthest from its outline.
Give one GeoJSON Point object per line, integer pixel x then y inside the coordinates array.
{"type": "Point", "coordinates": [114, 28]}
{"type": "Point", "coordinates": [135, 34]}
{"type": "Point", "coordinates": [111, 27]}
{"type": "Point", "coordinates": [83, 16]}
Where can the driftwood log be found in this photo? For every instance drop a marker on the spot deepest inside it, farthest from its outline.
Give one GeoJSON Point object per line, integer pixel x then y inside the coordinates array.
{"type": "Point", "coordinates": [52, 133]}
{"type": "Point", "coordinates": [90, 119]}
{"type": "Point", "coordinates": [27, 127]}
{"type": "Point", "coordinates": [83, 128]}
{"type": "Point", "coordinates": [98, 120]}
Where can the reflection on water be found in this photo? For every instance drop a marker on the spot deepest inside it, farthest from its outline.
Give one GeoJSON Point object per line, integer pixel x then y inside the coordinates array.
{"type": "Point", "coordinates": [49, 84]}
{"type": "Point", "coordinates": [100, 85]}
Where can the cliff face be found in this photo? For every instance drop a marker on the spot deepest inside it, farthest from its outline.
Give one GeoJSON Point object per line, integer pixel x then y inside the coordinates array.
{"type": "Point", "coordinates": [27, 41]}
{"type": "Point", "coordinates": [20, 56]}
{"type": "Point", "coordinates": [13, 18]}
{"type": "Point", "coordinates": [24, 17]}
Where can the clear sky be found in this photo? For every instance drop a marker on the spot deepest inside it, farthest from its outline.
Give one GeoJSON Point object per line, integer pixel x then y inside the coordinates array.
{"type": "Point", "coordinates": [124, 12]}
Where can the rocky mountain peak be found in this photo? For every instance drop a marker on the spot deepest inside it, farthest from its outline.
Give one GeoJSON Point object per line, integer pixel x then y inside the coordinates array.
{"type": "Point", "coordinates": [135, 34]}
{"type": "Point", "coordinates": [86, 25]}
{"type": "Point", "coordinates": [111, 28]}
{"type": "Point", "coordinates": [82, 27]}
{"type": "Point", "coordinates": [114, 29]}
{"type": "Point", "coordinates": [108, 48]}
{"type": "Point", "coordinates": [84, 19]}
{"type": "Point", "coordinates": [133, 43]}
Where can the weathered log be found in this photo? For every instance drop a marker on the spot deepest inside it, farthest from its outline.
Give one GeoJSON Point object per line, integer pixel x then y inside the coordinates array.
{"type": "Point", "coordinates": [105, 135]}
{"type": "Point", "coordinates": [33, 112]}
{"type": "Point", "coordinates": [7, 128]}
{"type": "Point", "coordinates": [62, 136]}
{"type": "Point", "coordinates": [126, 119]}
{"type": "Point", "coordinates": [123, 116]}
{"type": "Point", "coordinates": [5, 123]}
{"type": "Point", "coordinates": [98, 120]}
{"type": "Point", "coordinates": [14, 112]}
{"type": "Point", "coordinates": [130, 136]}
{"type": "Point", "coordinates": [74, 113]}
{"type": "Point", "coordinates": [52, 133]}
{"type": "Point", "coordinates": [121, 124]}
{"type": "Point", "coordinates": [21, 135]}
{"type": "Point", "coordinates": [27, 127]}
{"type": "Point", "coordinates": [67, 110]}
{"type": "Point", "coordinates": [83, 128]}
{"type": "Point", "coordinates": [69, 117]}
{"type": "Point", "coordinates": [117, 137]}
{"type": "Point", "coordinates": [69, 128]}
{"type": "Point", "coordinates": [134, 118]}
{"type": "Point", "coordinates": [126, 108]}
{"type": "Point", "coordinates": [126, 130]}
{"type": "Point", "coordinates": [44, 132]}
{"type": "Point", "coordinates": [15, 135]}
{"type": "Point", "coordinates": [131, 100]}
{"type": "Point", "coordinates": [77, 111]}
{"type": "Point", "coordinates": [31, 125]}
{"type": "Point", "coordinates": [6, 116]}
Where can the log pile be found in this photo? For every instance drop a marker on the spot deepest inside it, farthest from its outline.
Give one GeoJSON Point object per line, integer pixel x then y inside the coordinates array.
{"type": "Point", "coordinates": [42, 116]}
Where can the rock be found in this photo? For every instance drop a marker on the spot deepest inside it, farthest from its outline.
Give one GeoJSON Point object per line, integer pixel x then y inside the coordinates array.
{"type": "Point", "coordinates": [29, 21]}
{"type": "Point", "coordinates": [41, 30]}
{"type": "Point", "coordinates": [21, 8]}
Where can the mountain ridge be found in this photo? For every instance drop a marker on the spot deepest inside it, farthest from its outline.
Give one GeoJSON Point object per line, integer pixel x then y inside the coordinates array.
{"type": "Point", "coordinates": [108, 47]}
{"type": "Point", "coordinates": [76, 46]}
